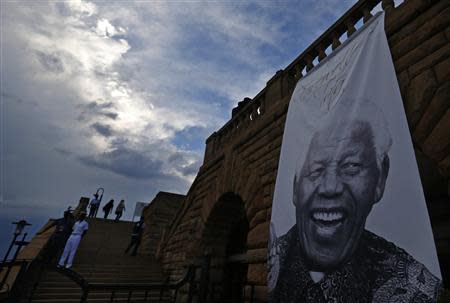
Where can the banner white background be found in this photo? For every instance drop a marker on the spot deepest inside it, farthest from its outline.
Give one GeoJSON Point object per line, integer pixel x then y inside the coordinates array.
{"type": "Point", "coordinates": [361, 69]}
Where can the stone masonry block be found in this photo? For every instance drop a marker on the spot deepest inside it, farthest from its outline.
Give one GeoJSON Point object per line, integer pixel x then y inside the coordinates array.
{"type": "Point", "coordinates": [408, 29]}
{"type": "Point", "coordinates": [420, 92]}
{"type": "Point", "coordinates": [421, 51]}
{"type": "Point", "coordinates": [429, 61]}
{"type": "Point", "coordinates": [444, 168]}
{"type": "Point", "coordinates": [259, 217]}
{"type": "Point", "coordinates": [447, 33]}
{"type": "Point", "coordinates": [437, 145]}
{"type": "Point", "coordinates": [269, 214]}
{"type": "Point", "coordinates": [259, 293]}
{"type": "Point", "coordinates": [266, 202]}
{"type": "Point", "coordinates": [434, 112]}
{"type": "Point", "coordinates": [273, 92]}
{"type": "Point", "coordinates": [421, 33]}
{"type": "Point", "coordinates": [442, 70]}
{"type": "Point", "coordinates": [257, 273]}
{"type": "Point", "coordinates": [409, 11]}
{"type": "Point", "coordinates": [258, 236]}
{"type": "Point", "coordinates": [403, 82]}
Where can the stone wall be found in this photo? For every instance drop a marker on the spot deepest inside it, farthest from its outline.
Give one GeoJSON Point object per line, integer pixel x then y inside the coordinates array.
{"type": "Point", "coordinates": [242, 157]}
{"type": "Point", "coordinates": [157, 215]}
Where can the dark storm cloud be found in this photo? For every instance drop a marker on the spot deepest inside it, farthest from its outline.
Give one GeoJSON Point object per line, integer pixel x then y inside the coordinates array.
{"type": "Point", "coordinates": [176, 158]}
{"type": "Point", "coordinates": [63, 152]}
{"type": "Point", "coordinates": [102, 129]}
{"type": "Point", "coordinates": [95, 109]}
{"type": "Point", "coordinates": [6, 96]}
{"type": "Point", "coordinates": [51, 62]}
{"type": "Point", "coordinates": [111, 115]}
{"type": "Point", "coordinates": [127, 162]}
{"type": "Point", "coordinates": [94, 105]}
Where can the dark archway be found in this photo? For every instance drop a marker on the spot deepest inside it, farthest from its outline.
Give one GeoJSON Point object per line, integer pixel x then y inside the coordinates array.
{"type": "Point", "coordinates": [224, 237]}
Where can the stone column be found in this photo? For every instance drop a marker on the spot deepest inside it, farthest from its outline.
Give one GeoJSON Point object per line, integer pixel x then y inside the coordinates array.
{"type": "Point", "coordinates": [82, 206]}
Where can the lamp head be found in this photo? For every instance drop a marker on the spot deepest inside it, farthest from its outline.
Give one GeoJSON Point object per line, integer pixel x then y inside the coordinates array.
{"type": "Point", "coordinates": [20, 225]}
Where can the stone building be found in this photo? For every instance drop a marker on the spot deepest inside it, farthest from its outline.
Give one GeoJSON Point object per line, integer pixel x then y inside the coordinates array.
{"type": "Point", "coordinates": [157, 216]}
{"type": "Point", "coordinates": [227, 210]}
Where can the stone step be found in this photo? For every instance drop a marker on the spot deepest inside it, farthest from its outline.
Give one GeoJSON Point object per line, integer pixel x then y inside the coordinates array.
{"type": "Point", "coordinates": [105, 280]}
{"type": "Point", "coordinates": [59, 289]}
{"type": "Point", "coordinates": [100, 258]}
{"type": "Point", "coordinates": [99, 300]}
{"type": "Point", "coordinates": [96, 276]}
{"type": "Point", "coordinates": [124, 279]}
{"type": "Point", "coordinates": [96, 295]}
{"type": "Point", "coordinates": [139, 264]}
{"type": "Point", "coordinates": [103, 273]}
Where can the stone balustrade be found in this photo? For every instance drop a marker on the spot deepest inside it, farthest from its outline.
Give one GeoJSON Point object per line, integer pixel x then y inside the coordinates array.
{"type": "Point", "coordinates": [250, 112]}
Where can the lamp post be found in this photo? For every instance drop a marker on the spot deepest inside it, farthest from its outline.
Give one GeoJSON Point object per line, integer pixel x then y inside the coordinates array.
{"type": "Point", "coordinates": [20, 226]}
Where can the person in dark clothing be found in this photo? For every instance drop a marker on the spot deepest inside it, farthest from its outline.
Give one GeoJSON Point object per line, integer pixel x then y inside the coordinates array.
{"type": "Point", "coordinates": [120, 209]}
{"type": "Point", "coordinates": [108, 208]}
{"type": "Point", "coordinates": [63, 229]}
{"type": "Point", "coordinates": [136, 236]}
{"type": "Point", "coordinates": [93, 206]}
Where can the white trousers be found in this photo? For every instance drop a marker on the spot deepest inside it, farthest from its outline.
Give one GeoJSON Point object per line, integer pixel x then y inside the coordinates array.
{"type": "Point", "coordinates": [69, 251]}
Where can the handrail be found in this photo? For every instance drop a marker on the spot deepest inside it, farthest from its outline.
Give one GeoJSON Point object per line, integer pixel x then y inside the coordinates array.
{"type": "Point", "coordinates": [15, 262]}
{"type": "Point", "coordinates": [5, 270]}
{"type": "Point", "coordinates": [88, 287]}
{"type": "Point", "coordinates": [74, 276]}
{"type": "Point", "coordinates": [143, 286]}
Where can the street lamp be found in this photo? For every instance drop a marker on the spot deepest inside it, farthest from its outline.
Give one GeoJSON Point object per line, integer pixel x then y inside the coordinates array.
{"type": "Point", "coordinates": [20, 226]}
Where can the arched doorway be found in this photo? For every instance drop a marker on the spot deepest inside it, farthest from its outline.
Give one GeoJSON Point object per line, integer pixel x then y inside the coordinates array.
{"type": "Point", "coordinates": [224, 240]}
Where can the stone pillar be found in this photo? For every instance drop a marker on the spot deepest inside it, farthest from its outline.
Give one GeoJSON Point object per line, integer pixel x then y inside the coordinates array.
{"type": "Point", "coordinates": [82, 206]}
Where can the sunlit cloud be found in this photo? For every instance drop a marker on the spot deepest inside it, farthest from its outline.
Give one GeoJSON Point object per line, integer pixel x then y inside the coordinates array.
{"type": "Point", "coordinates": [125, 94]}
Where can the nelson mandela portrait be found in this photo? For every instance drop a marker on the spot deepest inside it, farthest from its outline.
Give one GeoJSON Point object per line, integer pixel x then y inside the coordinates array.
{"type": "Point", "coordinates": [328, 255]}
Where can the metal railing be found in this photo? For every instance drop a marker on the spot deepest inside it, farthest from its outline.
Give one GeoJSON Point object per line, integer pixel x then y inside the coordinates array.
{"type": "Point", "coordinates": [5, 270]}
{"type": "Point", "coordinates": [164, 291]}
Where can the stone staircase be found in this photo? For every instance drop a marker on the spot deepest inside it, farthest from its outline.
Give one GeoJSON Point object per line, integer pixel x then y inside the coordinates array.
{"type": "Point", "coordinates": [100, 259]}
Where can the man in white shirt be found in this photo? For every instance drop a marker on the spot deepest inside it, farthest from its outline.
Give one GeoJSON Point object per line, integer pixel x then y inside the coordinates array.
{"type": "Point", "coordinates": [78, 231]}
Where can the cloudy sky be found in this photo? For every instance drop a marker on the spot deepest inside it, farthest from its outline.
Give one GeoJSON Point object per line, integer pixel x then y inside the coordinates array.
{"type": "Point", "coordinates": [123, 94]}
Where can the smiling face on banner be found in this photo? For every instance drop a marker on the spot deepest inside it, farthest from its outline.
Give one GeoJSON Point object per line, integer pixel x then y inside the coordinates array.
{"type": "Point", "coordinates": [338, 184]}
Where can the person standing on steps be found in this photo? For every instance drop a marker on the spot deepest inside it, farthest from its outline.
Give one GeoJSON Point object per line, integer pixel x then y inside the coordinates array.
{"type": "Point", "coordinates": [108, 208]}
{"type": "Point", "coordinates": [93, 206]}
{"type": "Point", "coordinates": [63, 229]}
{"type": "Point", "coordinates": [136, 236]}
{"type": "Point", "coordinates": [120, 209]}
{"type": "Point", "coordinates": [78, 231]}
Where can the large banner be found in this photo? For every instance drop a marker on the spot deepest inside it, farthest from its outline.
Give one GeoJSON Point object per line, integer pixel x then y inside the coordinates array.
{"type": "Point", "coordinates": [138, 209]}
{"type": "Point", "coordinates": [349, 219]}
